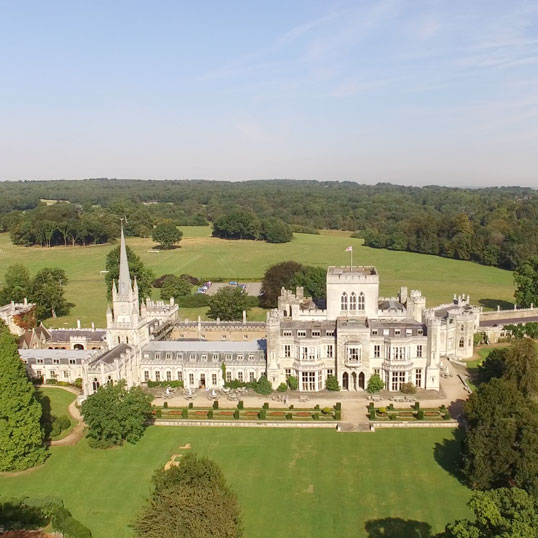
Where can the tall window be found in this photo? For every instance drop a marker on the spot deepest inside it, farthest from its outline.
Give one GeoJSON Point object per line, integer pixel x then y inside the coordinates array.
{"type": "Point", "coordinates": [304, 353]}
{"type": "Point", "coordinates": [287, 350]}
{"type": "Point", "coordinates": [418, 378]}
{"type": "Point", "coordinates": [157, 376]}
{"type": "Point", "coordinates": [354, 354]}
{"type": "Point", "coordinates": [146, 375]}
{"type": "Point", "coordinates": [462, 342]}
{"type": "Point", "coordinates": [168, 375]}
{"type": "Point", "coordinates": [228, 376]}
{"type": "Point", "coordinates": [251, 376]}
{"type": "Point", "coordinates": [398, 379]}
{"type": "Point", "coordinates": [361, 302]}
{"type": "Point", "coordinates": [353, 302]}
{"type": "Point", "coordinates": [191, 379]}
{"type": "Point", "coordinates": [377, 351]}
{"type": "Point", "coordinates": [288, 372]}
{"type": "Point", "coordinates": [308, 380]}
{"type": "Point", "coordinates": [419, 351]}
{"type": "Point", "coordinates": [343, 302]}
{"type": "Point", "coordinates": [179, 375]}
{"type": "Point", "coordinates": [330, 351]}
{"type": "Point", "coordinates": [214, 379]}
{"type": "Point", "coordinates": [240, 375]}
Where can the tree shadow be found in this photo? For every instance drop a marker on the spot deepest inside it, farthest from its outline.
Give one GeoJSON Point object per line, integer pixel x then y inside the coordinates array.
{"type": "Point", "coordinates": [395, 527]}
{"type": "Point", "coordinates": [14, 514]}
{"type": "Point", "coordinates": [46, 416]}
{"type": "Point", "coordinates": [455, 409]}
{"type": "Point", "coordinates": [448, 454]}
{"type": "Point", "coordinates": [493, 303]}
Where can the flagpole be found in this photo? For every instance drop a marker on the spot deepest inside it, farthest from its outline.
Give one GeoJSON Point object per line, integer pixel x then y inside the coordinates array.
{"type": "Point", "coordinates": [351, 260]}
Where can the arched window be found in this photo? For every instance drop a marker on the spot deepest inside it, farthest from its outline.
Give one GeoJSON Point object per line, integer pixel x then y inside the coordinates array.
{"type": "Point", "coordinates": [126, 339]}
{"type": "Point", "coordinates": [462, 342]}
{"type": "Point", "coordinates": [343, 301]}
{"type": "Point", "coordinates": [353, 301]}
{"type": "Point", "coordinates": [361, 302]}
{"type": "Point", "coordinates": [95, 384]}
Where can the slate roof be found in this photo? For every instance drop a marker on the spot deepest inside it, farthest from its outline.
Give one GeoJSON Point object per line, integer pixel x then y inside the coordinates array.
{"type": "Point", "coordinates": [206, 345]}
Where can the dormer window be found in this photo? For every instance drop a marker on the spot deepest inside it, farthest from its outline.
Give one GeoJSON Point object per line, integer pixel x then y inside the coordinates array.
{"type": "Point", "coordinates": [301, 334]}
{"type": "Point", "coordinates": [374, 332]}
{"type": "Point", "coordinates": [397, 332]}
{"type": "Point", "coordinates": [157, 355]}
{"type": "Point", "coordinates": [286, 333]}
{"type": "Point", "coordinates": [316, 333]}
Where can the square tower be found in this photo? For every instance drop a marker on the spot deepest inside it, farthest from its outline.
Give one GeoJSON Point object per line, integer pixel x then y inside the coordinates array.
{"type": "Point", "coordinates": [352, 291]}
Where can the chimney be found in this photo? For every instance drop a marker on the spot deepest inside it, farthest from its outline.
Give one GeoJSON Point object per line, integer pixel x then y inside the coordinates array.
{"type": "Point", "coordinates": [244, 316]}
{"type": "Point", "coordinates": [93, 326]}
{"type": "Point", "coordinates": [25, 301]}
{"type": "Point", "coordinates": [78, 323]}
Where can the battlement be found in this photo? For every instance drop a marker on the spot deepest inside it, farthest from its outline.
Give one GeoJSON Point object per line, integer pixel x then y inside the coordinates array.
{"type": "Point", "coordinates": [355, 273]}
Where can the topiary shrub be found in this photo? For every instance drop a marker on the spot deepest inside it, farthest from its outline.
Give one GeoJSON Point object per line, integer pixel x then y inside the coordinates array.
{"type": "Point", "coordinates": [291, 406]}
{"type": "Point", "coordinates": [315, 416]}
{"type": "Point", "coordinates": [265, 405]}
{"type": "Point", "coordinates": [391, 407]}
{"type": "Point", "coordinates": [184, 413]}
{"type": "Point", "coordinates": [372, 413]}
{"type": "Point", "coordinates": [262, 415]}
{"type": "Point", "coordinates": [293, 383]}
{"type": "Point", "coordinates": [236, 414]}
{"type": "Point", "coordinates": [338, 415]}
{"type": "Point", "coordinates": [316, 407]}
{"type": "Point", "coordinates": [289, 416]}
{"type": "Point", "coordinates": [420, 414]}
{"type": "Point", "coordinates": [165, 405]}
{"type": "Point", "coordinates": [240, 404]}
{"type": "Point", "coordinates": [282, 387]}
{"type": "Point", "coordinates": [417, 405]}
{"type": "Point", "coordinates": [332, 383]}
{"type": "Point", "coordinates": [210, 413]}
{"type": "Point", "coordinates": [327, 411]}
{"type": "Point", "coordinates": [191, 405]}
{"type": "Point", "coordinates": [215, 404]}
{"type": "Point", "coordinates": [446, 416]}
{"type": "Point", "coordinates": [392, 416]}
{"type": "Point", "coordinates": [158, 413]}
{"type": "Point", "coordinates": [338, 406]}
{"type": "Point", "coordinates": [51, 382]}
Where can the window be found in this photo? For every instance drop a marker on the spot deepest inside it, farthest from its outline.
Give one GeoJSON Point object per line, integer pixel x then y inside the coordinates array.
{"type": "Point", "coordinates": [39, 361]}
{"type": "Point", "coordinates": [157, 376]}
{"type": "Point", "coordinates": [168, 375]}
{"type": "Point", "coordinates": [353, 302]}
{"type": "Point", "coordinates": [330, 371]}
{"type": "Point", "coordinates": [343, 302]}
{"type": "Point", "coordinates": [419, 351]}
{"type": "Point", "coordinates": [301, 334]}
{"type": "Point", "coordinates": [192, 357]}
{"type": "Point", "coordinates": [397, 332]}
{"type": "Point", "coordinates": [204, 358]}
{"type": "Point", "coordinates": [377, 371]}
{"type": "Point", "coordinates": [55, 361]}
{"type": "Point", "coordinates": [361, 302]}
{"type": "Point", "coordinates": [329, 333]}
{"type": "Point", "coordinates": [420, 331]}
{"type": "Point", "coordinates": [418, 378]}
{"type": "Point", "coordinates": [330, 351]}
{"type": "Point", "coordinates": [288, 373]}
{"type": "Point", "coordinates": [304, 353]}
{"type": "Point", "coordinates": [228, 356]}
{"type": "Point", "coordinates": [374, 332]}
{"type": "Point", "coordinates": [240, 357]}
{"type": "Point", "coordinates": [52, 373]}
{"type": "Point", "coordinates": [377, 351]}
{"type": "Point", "coordinates": [240, 375]}
{"type": "Point", "coordinates": [215, 357]}
{"type": "Point", "coordinates": [251, 357]}
{"type": "Point", "coordinates": [245, 337]}
{"type": "Point", "coordinates": [72, 361]}
{"type": "Point", "coordinates": [354, 354]}
{"type": "Point", "coordinates": [287, 350]}
{"type": "Point", "coordinates": [214, 379]}
{"type": "Point", "coordinates": [224, 336]}
{"type": "Point", "coordinates": [398, 379]}
{"type": "Point", "coordinates": [38, 373]}
{"type": "Point", "coordinates": [179, 356]}
{"type": "Point", "coordinates": [146, 376]}
{"type": "Point", "coordinates": [157, 355]}
{"type": "Point", "coordinates": [66, 374]}
{"type": "Point", "coordinates": [168, 356]}
{"type": "Point", "coordinates": [316, 333]}
{"type": "Point", "coordinates": [462, 342]}
{"type": "Point", "coordinates": [286, 333]}
{"type": "Point", "coordinates": [308, 381]}
{"type": "Point", "coordinates": [179, 375]}
{"type": "Point", "coordinates": [191, 379]}
{"type": "Point", "coordinates": [408, 332]}
{"type": "Point", "coordinates": [251, 377]}
{"type": "Point", "coordinates": [462, 327]}
{"type": "Point", "coordinates": [228, 376]}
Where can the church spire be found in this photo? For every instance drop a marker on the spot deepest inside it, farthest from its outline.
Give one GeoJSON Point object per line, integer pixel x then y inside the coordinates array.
{"type": "Point", "coordinates": [124, 282]}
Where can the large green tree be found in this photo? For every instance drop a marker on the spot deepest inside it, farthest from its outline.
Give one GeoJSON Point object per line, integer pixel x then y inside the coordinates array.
{"type": "Point", "coordinates": [521, 366]}
{"type": "Point", "coordinates": [275, 230]}
{"type": "Point", "coordinates": [17, 284]}
{"type": "Point", "coordinates": [526, 280]}
{"type": "Point", "coordinates": [166, 234]}
{"type": "Point", "coordinates": [175, 286]}
{"type": "Point", "coordinates": [313, 280]}
{"type": "Point", "coordinates": [494, 365]}
{"type": "Point", "coordinates": [228, 304]}
{"type": "Point", "coordinates": [47, 291]}
{"type": "Point", "coordinates": [237, 225]}
{"type": "Point", "coordinates": [144, 275]}
{"type": "Point", "coordinates": [276, 277]}
{"type": "Point", "coordinates": [21, 436]}
{"type": "Point", "coordinates": [114, 415]}
{"type": "Point", "coordinates": [500, 513]}
{"type": "Point", "coordinates": [191, 500]}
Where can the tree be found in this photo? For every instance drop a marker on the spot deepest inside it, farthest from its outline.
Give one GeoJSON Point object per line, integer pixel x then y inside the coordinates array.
{"type": "Point", "coordinates": [375, 384]}
{"type": "Point", "coordinates": [293, 382]}
{"type": "Point", "coordinates": [493, 365]}
{"type": "Point", "coordinates": [526, 280]}
{"type": "Point", "coordinates": [521, 366]}
{"type": "Point", "coordinates": [47, 292]}
{"type": "Point", "coordinates": [276, 231]}
{"type": "Point", "coordinates": [331, 383]}
{"type": "Point", "coordinates": [503, 512]}
{"type": "Point", "coordinates": [166, 234]}
{"type": "Point", "coordinates": [313, 280]}
{"type": "Point", "coordinates": [263, 386]}
{"type": "Point", "coordinates": [144, 275]}
{"type": "Point", "coordinates": [175, 286]}
{"type": "Point", "coordinates": [114, 415]}
{"type": "Point", "coordinates": [191, 500]}
{"type": "Point", "coordinates": [237, 225]}
{"type": "Point", "coordinates": [228, 304]}
{"type": "Point", "coordinates": [275, 278]}
{"type": "Point", "coordinates": [21, 436]}
{"type": "Point", "coordinates": [17, 284]}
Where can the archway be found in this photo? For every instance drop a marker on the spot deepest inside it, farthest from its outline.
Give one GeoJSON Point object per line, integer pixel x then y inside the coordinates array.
{"type": "Point", "coordinates": [361, 380]}
{"type": "Point", "coordinates": [78, 346]}
{"type": "Point", "coordinates": [95, 384]}
{"type": "Point", "coordinates": [354, 380]}
{"type": "Point", "coordinates": [345, 381]}
{"type": "Point", "coordinates": [202, 381]}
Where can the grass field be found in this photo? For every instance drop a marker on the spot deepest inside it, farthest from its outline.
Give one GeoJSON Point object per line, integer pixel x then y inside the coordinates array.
{"type": "Point", "coordinates": [59, 401]}
{"type": "Point", "coordinates": [204, 256]}
{"type": "Point", "coordinates": [300, 483]}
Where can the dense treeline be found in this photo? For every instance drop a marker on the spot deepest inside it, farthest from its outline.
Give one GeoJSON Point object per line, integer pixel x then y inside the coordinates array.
{"type": "Point", "coordinates": [494, 226]}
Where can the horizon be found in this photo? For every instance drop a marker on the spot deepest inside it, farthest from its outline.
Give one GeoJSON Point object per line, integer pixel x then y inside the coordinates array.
{"type": "Point", "coordinates": [371, 92]}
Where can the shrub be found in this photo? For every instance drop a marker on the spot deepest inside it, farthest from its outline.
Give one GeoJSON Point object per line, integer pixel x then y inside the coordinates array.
{"type": "Point", "coordinates": [210, 413]}
{"type": "Point", "coordinates": [191, 405]}
{"type": "Point", "coordinates": [158, 413]}
{"type": "Point", "coordinates": [78, 382]}
{"type": "Point", "coordinates": [51, 382]}
{"type": "Point", "coordinates": [315, 416]}
{"type": "Point", "coordinates": [392, 416]}
{"type": "Point", "coordinates": [338, 406]}
{"type": "Point", "coordinates": [382, 410]}
{"type": "Point", "coordinates": [338, 415]}
{"type": "Point", "coordinates": [240, 404]}
{"type": "Point", "coordinates": [263, 386]}
{"type": "Point", "coordinates": [442, 408]}
{"type": "Point", "coordinates": [446, 416]}
{"type": "Point", "coordinates": [417, 406]}
{"type": "Point", "coordinates": [390, 407]}
{"type": "Point", "coordinates": [375, 384]}
{"type": "Point", "coordinates": [291, 406]}
{"type": "Point", "coordinates": [408, 388]}
{"type": "Point", "coordinates": [420, 414]}
{"type": "Point", "coordinates": [184, 413]}
{"type": "Point", "coordinates": [265, 405]}
{"type": "Point", "coordinates": [371, 406]}
{"type": "Point", "coordinates": [282, 387]}
{"type": "Point", "coordinates": [165, 405]}
{"type": "Point", "coordinates": [262, 415]}
{"type": "Point", "coordinates": [293, 383]}
{"type": "Point", "coordinates": [193, 301]}
{"type": "Point", "coordinates": [332, 383]}
{"type": "Point", "coordinates": [215, 404]}
{"type": "Point", "coordinates": [63, 384]}
{"type": "Point", "coordinates": [316, 407]}
{"type": "Point", "coordinates": [372, 413]}
{"type": "Point", "coordinates": [289, 416]}
{"type": "Point", "coordinates": [327, 411]}
{"type": "Point", "coordinates": [236, 414]}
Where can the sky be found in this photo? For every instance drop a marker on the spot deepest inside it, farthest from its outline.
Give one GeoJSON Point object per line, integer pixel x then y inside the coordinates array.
{"type": "Point", "coordinates": [409, 92]}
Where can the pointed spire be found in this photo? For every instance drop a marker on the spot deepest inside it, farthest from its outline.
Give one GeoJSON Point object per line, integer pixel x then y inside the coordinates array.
{"type": "Point", "coordinates": [124, 282]}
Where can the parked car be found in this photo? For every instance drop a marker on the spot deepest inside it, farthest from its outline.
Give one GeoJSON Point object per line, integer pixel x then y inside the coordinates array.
{"type": "Point", "coordinates": [232, 283]}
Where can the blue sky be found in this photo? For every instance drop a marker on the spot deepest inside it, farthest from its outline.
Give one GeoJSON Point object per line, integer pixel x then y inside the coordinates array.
{"type": "Point", "coordinates": [412, 92]}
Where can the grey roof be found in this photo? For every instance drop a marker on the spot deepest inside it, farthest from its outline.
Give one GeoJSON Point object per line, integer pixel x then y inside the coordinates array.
{"type": "Point", "coordinates": [112, 354]}
{"type": "Point", "coordinates": [206, 345]}
{"type": "Point", "coordinates": [63, 335]}
{"type": "Point", "coordinates": [364, 269]}
{"type": "Point", "coordinates": [83, 354]}
{"type": "Point", "coordinates": [388, 305]}
{"type": "Point", "coordinates": [507, 321]}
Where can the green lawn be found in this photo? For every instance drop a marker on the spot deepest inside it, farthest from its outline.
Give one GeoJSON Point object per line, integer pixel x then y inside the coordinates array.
{"type": "Point", "coordinates": [204, 256]}
{"type": "Point", "coordinates": [300, 483]}
{"type": "Point", "coordinates": [58, 400]}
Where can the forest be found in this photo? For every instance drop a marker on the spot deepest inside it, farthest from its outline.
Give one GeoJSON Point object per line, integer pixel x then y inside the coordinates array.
{"type": "Point", "coordinates": [492, 226]}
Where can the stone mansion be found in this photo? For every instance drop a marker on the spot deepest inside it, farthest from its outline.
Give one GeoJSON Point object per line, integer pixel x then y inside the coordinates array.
{"type": "Point", "coordinates": [357, 335]}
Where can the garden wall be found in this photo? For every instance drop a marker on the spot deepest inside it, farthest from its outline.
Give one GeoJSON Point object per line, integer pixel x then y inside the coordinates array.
{"type": "Point", "coordinates": [246, 424]}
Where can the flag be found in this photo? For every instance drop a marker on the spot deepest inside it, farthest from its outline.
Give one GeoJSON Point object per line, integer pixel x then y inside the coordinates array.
{"type": "Point", "coordinates": [349, 249]}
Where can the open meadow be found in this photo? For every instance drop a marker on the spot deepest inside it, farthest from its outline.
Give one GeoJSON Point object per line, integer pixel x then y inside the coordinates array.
{"type": "Point", "coordinates": [290, 482]}
{"type": "Point", "coordinates": [211, 258]}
